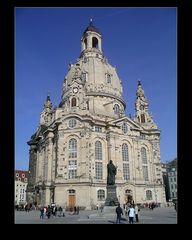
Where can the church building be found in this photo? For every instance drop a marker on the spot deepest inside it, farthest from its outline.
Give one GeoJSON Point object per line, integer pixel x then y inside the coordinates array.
{"type": "Point", "coordinates": [76, 140]}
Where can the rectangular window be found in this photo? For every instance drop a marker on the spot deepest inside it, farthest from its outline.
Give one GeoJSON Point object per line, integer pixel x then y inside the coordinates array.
{"type": "Point", "coordinates": [108, 78]}
{"type": "Point", "coordinates": [72, 169]}
{"type": "Point", "coordinates": [98, 170]}
{"type": "Point", "coordinates": [72, 173]}
{"type": "Point", "coordinates": [101, 195]}
{"type": "Point", "coordinates": [73, 153]}
{"type": "Point", "coordinates": [84, 77]}
{"type": "Point", "coordinates": [98, 129]}
{"type": "Point", "coordinates": [145, 173]}
{"type": "Point", "coordinates": [72, 164]}
{"type": "Point", "coordinates": [142, 136]}
{"type": "Point", "coordinates": [126, 174]}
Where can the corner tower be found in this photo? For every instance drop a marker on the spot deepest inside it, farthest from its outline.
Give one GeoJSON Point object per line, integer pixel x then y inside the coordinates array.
{"type": "Point", "coordinates": [46, 114]}
{"type": "Point", "coordinates": [143, 116]}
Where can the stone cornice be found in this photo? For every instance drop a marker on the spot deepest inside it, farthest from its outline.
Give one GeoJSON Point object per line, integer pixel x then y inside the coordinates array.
{"type": "Point", "coordinates": [106, 95]}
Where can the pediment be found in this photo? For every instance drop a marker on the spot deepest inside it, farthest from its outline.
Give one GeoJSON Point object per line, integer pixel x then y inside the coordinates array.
{"type": "Point", "coordinates": [132, 124]}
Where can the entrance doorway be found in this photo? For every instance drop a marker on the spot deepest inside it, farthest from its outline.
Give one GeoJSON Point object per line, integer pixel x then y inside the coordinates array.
{"type": "Point", "coordinates": [129, 196]}
{"type": "Point", "coordinates": [71, 199]}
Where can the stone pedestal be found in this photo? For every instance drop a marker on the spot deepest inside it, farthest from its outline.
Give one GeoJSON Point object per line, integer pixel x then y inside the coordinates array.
{"type": "Point", "coordinates": [111, 199]}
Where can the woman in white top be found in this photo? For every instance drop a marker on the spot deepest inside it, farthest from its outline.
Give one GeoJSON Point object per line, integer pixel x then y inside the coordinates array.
{"type": "Point", "coordinates": [131, 214]}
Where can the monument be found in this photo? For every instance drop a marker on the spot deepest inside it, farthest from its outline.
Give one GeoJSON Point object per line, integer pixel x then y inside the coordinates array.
{"type": "Point", "coordinates": [111, 199]}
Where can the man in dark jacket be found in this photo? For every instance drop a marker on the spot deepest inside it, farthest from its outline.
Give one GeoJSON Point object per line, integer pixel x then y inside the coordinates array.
{"type": "Point", "coordinates": [119, 211]}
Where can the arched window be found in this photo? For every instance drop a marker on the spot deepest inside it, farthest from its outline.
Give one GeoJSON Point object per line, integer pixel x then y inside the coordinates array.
{"type": "Point", "coordinates": [100, 195]}
{"type": "Point", "coordinates": [125, 158]}
{"type": "Point", "coordinates": [85, 42]}
{"type": "Point", "coordinates": [98, 156]}
{"type": "Point", "coordinates": [125, 154]}
{"type": "Point", "coordinates": [116, 109]}
{"type": "Point", "coordinates": [142, 118]}
{"type": "Point", "coordinates": [73, 102]}
{"type": "Point", "coordinates": [143, 155]}
{"type": "Point", "coordinates": [148, 195]}
{"type": "Point", "coordinates": [94, 42]}
{"type": "Point", "coordinates": [72, 148]}
{"type": "Point", "coordinates": [72, 169]}
{"type": "Point", "coordinates": [98, 150]}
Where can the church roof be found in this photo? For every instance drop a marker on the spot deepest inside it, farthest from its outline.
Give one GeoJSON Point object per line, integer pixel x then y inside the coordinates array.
{"type": "Point", "coordinates": [91, 28]}
{"type": "Point", "coordinates": [21, 175]}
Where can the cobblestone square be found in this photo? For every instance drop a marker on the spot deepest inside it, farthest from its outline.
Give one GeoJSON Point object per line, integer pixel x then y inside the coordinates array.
{"type": "Point", "coordinates": [164, 215]}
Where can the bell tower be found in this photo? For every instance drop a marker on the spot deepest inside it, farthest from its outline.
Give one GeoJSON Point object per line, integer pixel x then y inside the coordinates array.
{"type": "Point", "coordinates": [91, 39]}
{"type": "Point", "coordinates": [142, 115]}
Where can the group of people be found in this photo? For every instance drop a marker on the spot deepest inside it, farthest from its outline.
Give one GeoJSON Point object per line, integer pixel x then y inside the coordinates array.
{"type": "Point", "coordinates": [51, 211]}
{"type": "Point", "coordinates": [131, 211]}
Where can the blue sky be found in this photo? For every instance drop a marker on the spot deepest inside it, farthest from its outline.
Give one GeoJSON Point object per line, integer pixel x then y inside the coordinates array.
{"type": "Point", "coordinates": [140, 42]}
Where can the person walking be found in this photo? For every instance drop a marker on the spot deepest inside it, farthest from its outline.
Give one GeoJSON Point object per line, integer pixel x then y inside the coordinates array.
{"type": "Point", "coordinates": [119, 212]}
{"type": "Point", "coordinates": [41, 212]}
{"type": "Point", "coordinates": [60, 211]}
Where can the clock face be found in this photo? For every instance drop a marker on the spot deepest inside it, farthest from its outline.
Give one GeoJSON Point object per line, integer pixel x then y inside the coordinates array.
{"type": "Point", "coordinates": [141, 107]}
{"type": "Point", "coordinates": [75, 89]}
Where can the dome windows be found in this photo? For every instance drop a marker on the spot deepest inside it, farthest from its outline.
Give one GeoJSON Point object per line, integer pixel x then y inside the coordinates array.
{"type": "Point", "coordinates": [84, 77]}
{"type": "Point", "coordinates": [108, 78]}
{"type": "Point", "coordinates": [73, 102]}
{"type": "Point", "coordinates": [94, 42]}
{"type": "Point", "coordinates": [116, 109]}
